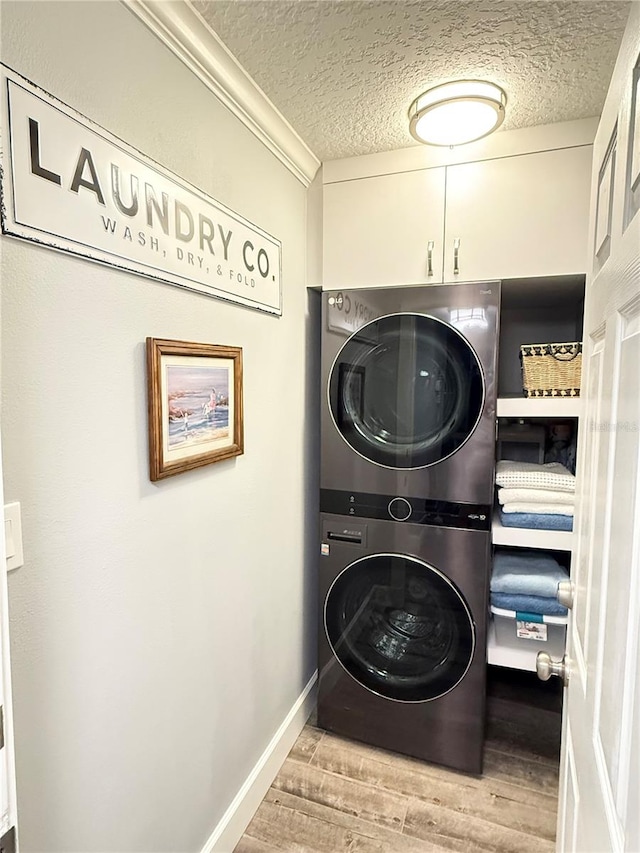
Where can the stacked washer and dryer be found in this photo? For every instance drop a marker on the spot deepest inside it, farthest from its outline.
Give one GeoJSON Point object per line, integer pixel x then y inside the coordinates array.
{"type": "Point", "coordinates": [407, 468]}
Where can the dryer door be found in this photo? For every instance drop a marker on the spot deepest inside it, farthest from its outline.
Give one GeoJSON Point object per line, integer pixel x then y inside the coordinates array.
{"type": "Point", "coordinates": [399, 627]}
{"type": "Point", "coordinates": [406, 391]}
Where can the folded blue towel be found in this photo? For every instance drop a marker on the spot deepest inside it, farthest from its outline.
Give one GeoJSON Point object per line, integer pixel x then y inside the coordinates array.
{"type": "Point", "coordinates": [531, 603]}
{"type": "Point", "coordinates": [536, 521]}
{"type": "Point", "coordinates": [526, 573]}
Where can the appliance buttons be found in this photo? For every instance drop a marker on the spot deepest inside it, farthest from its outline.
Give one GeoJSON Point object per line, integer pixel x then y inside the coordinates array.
{"type": "Point", "coordinates": [400, 509]}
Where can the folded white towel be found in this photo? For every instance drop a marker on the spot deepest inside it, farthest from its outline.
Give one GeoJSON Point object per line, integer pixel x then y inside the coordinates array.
{"type": "Point", "coordinates": [540, 509]}
{"type": "Point", "coordinates": [534, 496]}
{"type": "Point", "coordinates": [531, 475]}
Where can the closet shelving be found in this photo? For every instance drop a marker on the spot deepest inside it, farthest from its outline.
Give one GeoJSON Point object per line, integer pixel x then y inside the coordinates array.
{"type": "Point", "coordinates": [545, 310]}
{"type": "Point", "coordinates": [555, 408]}
{"type": "Point", "coordinates": [519, 537]}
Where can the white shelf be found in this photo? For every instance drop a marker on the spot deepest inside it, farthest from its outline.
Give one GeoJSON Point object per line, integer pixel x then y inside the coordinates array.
{"type": "Point", "coordinates": [518, 654]}
{"type": "Point", "coordinates": [521, 537]}
{"type": "Point", "coordinates": [539, 407]}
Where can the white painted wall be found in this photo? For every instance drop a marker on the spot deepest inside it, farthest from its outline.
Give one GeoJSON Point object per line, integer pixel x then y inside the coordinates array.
{"type": "Point", "coordinates": [160, 632]}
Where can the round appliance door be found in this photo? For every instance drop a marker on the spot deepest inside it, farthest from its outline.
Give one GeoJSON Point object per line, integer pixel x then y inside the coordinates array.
{"type": "Point", "coordinates": [406, 391]}
{"type": "Point", "coordinates": [399, 627]}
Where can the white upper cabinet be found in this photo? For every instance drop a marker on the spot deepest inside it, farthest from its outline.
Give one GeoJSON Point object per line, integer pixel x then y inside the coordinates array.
{"type": "Point", "coordinates": [512, 217]}
{"type": "Point", "coordinates": [379, 230]}
{"type": "Point", "coordinates": [518, 216]}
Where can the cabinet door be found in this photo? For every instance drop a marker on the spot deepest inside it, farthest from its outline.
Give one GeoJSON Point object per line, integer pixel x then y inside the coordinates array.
{"type": "Point", "coordinates": [519, 216]}
{"type": "Point", "coordinates": [378, 230]}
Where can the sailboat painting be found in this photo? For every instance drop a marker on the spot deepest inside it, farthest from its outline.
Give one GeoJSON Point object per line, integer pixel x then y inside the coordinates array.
{"type": "Point", "coordinates": [195, 405]}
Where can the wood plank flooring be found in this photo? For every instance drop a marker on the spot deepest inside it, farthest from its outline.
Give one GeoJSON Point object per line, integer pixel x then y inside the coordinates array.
{"type": "Point", "coordinates": [340, 796]}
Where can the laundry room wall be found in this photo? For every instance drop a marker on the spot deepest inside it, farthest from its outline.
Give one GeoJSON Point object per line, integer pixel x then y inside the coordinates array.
{"type": "Point", "coordinates": [161, 632]}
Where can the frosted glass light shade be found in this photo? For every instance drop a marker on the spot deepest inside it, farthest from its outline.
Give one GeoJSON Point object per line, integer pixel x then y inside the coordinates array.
{"type": "Point", "coordinates": [458, 112]}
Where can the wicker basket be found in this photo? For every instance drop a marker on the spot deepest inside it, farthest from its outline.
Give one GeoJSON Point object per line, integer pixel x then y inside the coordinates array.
{"type": "Point", "coordinates": [551, 370]}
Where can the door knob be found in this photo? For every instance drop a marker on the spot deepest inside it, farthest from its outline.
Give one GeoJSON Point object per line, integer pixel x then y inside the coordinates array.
{"type": "Point", "coordinates": [546, 668]}
{"type": "Point", "coordinates": [565, 593]}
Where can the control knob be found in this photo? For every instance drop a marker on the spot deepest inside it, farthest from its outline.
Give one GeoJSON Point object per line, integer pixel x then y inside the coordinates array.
{"type": "Point", "coordinates": [400, 509]}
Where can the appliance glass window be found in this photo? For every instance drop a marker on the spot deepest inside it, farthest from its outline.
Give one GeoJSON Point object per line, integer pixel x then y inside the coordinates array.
{"type": "Point", "coordinates": [399, 627]}
{"type": "Point", "coordinates": [406, 391]}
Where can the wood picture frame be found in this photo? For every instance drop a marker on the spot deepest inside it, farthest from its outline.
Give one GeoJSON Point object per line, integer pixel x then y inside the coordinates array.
{"type": "Point", "coordinates": [194, 405]}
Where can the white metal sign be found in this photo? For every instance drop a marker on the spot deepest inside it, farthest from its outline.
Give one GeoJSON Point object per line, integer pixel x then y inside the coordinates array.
{"type": "Point", "coordinates": [69, 184]}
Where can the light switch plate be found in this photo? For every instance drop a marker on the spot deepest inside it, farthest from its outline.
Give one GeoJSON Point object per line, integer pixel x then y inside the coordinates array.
{"type": "Point", "coordinates": [13, 536]}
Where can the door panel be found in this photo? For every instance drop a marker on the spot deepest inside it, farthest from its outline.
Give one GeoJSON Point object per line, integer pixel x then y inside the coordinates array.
{"type": "Point", "coordinates": [518, 216]}
{"type": "Point", "coordinates": [571, 796]}
{"type": "Point", "coordinates": [604, 203]}
{"type": "Point", "coordinates": [602, 714]}
{"type": "Point", "coordinates": [613, 697]}
{"type": "Point", "coordinates": [583, 567]}
{"type": "Point", "coordinates": [377, 230]}
{"type": "Point", "coordinates": [633, 799]}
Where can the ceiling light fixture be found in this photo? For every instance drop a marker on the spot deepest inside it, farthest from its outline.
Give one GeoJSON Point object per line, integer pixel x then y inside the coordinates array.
{"type": "Point", "coordinates": [457, 112]}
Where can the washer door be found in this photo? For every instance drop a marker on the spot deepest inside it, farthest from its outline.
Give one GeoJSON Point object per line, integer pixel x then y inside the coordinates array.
{"type": "Point", "coordinates": [399, 627]}
{"type": "Point", "coordinates": [406, 391]}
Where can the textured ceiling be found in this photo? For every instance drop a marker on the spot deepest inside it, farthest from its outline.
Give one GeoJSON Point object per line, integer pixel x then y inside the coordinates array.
{"type": "Point", "coordinates": [344, 72]}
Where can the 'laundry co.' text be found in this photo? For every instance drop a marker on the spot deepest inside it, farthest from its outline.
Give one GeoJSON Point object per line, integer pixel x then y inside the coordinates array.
{"type": "Point", "coordinates": [76, 187]}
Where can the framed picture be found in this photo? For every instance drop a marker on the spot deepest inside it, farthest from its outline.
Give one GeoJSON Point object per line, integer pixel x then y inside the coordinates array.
{"type": "Point", "coordinates": [195, 405]}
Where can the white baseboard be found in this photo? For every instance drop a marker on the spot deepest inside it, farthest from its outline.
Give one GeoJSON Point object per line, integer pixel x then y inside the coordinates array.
{"type": "Point", "coordinates": [235, 820]}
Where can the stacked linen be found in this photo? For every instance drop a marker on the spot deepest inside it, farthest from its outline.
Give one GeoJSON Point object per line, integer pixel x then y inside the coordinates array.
{"type": "Point", "coordinates": [527, 582]}
{"type": "Point", "coordinates": [538, 496]}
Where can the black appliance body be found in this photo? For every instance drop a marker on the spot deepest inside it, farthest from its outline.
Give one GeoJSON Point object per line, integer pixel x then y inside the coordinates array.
{"type": "Point", "coordinates": [409, 409]}
{"type": "Point", "coordinates": [402, 660]}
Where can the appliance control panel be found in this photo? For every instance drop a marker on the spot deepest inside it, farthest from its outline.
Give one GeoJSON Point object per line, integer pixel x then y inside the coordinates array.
{"type": "Point", "coordinates": [347, 531]}
{"type": "Point", "coordinates": [406, 509]}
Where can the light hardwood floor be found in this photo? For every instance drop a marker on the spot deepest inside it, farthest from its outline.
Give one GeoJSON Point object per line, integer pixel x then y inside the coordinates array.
{"type": "Point", "coordinates": [340, 796]}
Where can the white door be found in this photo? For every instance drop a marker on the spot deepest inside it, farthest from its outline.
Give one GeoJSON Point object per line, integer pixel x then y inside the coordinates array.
{"type": "Point", "coordinates": [387, 229]}
{"type": "Point", "coordinates": [600, 770]}
{"type": "Point", "coordinates": [518, 216]}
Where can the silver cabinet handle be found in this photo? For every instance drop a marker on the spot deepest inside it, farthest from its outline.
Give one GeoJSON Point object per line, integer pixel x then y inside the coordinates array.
{"type": "Point", "coordinates": [456, 252]}
{"type": "Point", "coordinates": [430, 257]}
{"type": "Point", "coordinates": [546, 668]}
{"type": "Point", "coordinates": [565, 593]}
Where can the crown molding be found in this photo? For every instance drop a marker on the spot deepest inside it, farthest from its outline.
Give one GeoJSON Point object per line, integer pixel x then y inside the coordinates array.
{"type": "Point", "coordinates": [183, 30]}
